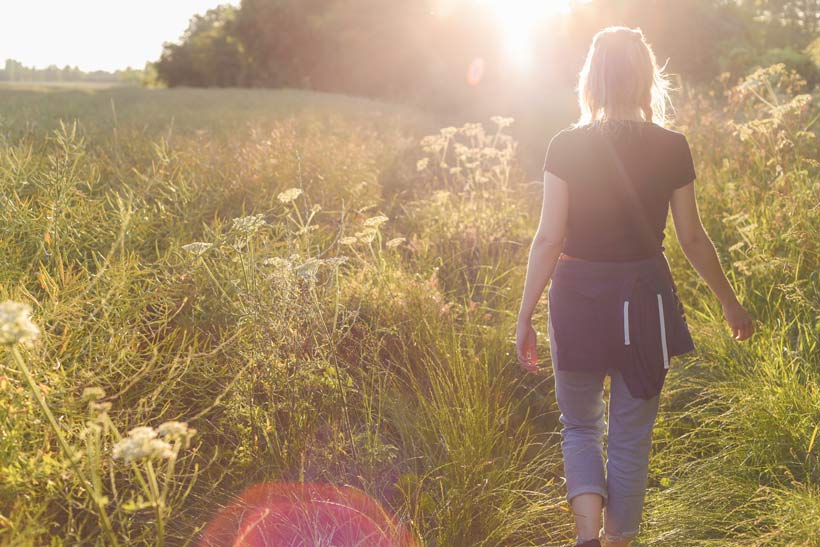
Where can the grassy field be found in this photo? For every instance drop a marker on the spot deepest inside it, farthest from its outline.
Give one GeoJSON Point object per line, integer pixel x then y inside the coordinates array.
{"type": "Point", "coordinates": [325, 289]}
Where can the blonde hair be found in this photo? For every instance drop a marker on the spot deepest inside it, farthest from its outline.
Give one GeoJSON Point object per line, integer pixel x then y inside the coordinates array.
{"type": "Point", "coordinates": [621, 80]}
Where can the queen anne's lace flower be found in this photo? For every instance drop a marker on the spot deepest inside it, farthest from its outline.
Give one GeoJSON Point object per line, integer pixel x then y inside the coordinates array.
{"type": "Point", "coordinates": [142, 443]}
{"type": "Point", "coordinates": [248, 225]}
{"type": "Point", "coordinates": [366, 236]}
{"type": "Point", "coordinates": [375, 221]}
{"type": "Point", "coordinates": [16, 325]}
{"type": "Point", "coordinates": [197, 247]}
{"type": "Point", "coordinates": [93, 393]}
{"type": "Point", "coordinates": [277, 262]}
{"type": "Point", "coordinates": [348, 240]}
{"type": "Point", "coordinates": [309, 268]}
{"type": "Point", "coordinates": [502, 121]}
{"type": "Point", "coordinates": [289, 195]}
{"type": "Point", "coordinates": [175, 430]}
{"type": "Point", "coordinates": [395, 242]}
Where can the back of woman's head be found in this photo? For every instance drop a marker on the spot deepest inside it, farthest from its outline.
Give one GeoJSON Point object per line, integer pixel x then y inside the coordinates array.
{"type": "Point", "coordinates": [621, 79]}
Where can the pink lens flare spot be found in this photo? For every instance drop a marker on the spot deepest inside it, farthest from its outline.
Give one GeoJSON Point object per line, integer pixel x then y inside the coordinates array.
{"type": "Point", "coordinates": [286, 514]}
{"type": "Point", "coordinates": [475, 72]}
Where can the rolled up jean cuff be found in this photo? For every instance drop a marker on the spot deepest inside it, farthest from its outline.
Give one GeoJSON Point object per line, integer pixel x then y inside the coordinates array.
{"type": "Point", "coordinates": [620, 537]}
{"type": "Point", "coordinates": [588, 489]}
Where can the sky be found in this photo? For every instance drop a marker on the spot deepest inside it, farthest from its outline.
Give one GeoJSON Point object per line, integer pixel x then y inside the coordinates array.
{"type": "Point", "coordinates": [93, 34]}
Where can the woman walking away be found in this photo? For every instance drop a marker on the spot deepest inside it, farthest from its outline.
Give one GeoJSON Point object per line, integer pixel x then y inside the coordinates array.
{"type": "Point", "coordinates": [609, 181]}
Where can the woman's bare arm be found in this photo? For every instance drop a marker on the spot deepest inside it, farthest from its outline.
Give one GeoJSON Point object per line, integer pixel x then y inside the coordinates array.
{"type": "Point", "coordinates": [700, 251]}
{"type": "Point", "coordinates": [547, 243]}
{"type": "Point", "coordinates": [544, 252]}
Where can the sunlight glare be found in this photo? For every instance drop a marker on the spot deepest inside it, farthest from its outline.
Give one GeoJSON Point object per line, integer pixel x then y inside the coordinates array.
{"type": "Point", "coordinates": [518, 18]}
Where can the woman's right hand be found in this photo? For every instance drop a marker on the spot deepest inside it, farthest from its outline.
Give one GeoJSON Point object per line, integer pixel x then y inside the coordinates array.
{"type": "Point", "coordinates": [525, 346]}
{"type": "Point", "coordinates": [739, 320]}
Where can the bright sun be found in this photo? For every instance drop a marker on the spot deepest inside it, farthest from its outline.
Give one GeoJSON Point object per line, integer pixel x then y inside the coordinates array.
{"type": "Point", "coordinates": [518, 19]}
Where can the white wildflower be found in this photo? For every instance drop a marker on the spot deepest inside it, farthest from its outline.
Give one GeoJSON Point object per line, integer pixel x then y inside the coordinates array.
{"type": "Point", "coordinates": [336, 260]}
{"type": "Point", "coordinates": [421, 165]}
{"type": "Point", "coordinates": [289, 195]}
{"type": "Point", "coordinates": [141, 443]}
{"type": "Point", "coordinates": [366, 236]}
{"type": "Point", "coordinates": [277, 262]}
{"type": "Point", "coordinates": [374, 222]}
{"type": "Point", "coordinates": [309, 268]}
{"type": "Point", "coordinates": [501, 121]}
{"type": "Point", "coordinates": [248, 225]}
{"type": "Point", "coordinates": [348, 240]}
{"type": "Point", "coordinates": [395, 242]}
{"type": "Point", "coordinates": [472, 129]}
{"type": "Point", "coordinates": [197, 248]}
{"type": "Point", "coordinates": [16, 325]}
{"type": "Point", "coordinates": [448, 132]}
{"type": "Point", "coordinates": [175, 430]}
{"type": "Point", "coordinates": [93, 394]}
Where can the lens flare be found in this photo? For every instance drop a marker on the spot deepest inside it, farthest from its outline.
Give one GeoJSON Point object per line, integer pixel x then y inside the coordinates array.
{"type": "Point", "coordinates": [285, 513]}
{"type": "Point", "coordinates": [518, 19]}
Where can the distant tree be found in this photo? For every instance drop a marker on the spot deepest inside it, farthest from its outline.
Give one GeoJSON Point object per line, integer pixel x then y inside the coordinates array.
{"type": "Point", "coordinates": [15, 71]}
{"type": "Point", "coordinates": [209, 53]}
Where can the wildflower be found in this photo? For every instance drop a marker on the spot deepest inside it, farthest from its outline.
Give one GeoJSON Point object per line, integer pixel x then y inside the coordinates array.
{"type": "Point", "coordinates": [141, 443]}
{"type": "Point", "coordinates": [348, 240]}
{"type": "Point", "coordinates": [433, 143]}
{"type": "Point", "coordinates": [472, 129]}
{"type": "Point", "coordinates": [501, 121]}
{"type": "Point", "coordinates": [461, 150]}
{"type": "Point", "coordinates": [277, 262]}
{"type": "Point", "coordinates": [92, 394]}
{"type": "Point", "coordinates": [421, 165]}
{"type": "Point", "coordinates": [16, 325]}
{"type": "Point", "coordinates": [365, 236]}
{"type": "Point", "coordinates": [309, 268]}
{"type": "Point", "coordinates": [248, 225]}
{"type": "Point", "coordinates": [448, 132]}
{"type": "Point", "coordinates": [175, 430]}
{"type": "Point", "coordinates": [440, 197]}
{"type": "Point", "coordinates": [289, 195]}
{"type": "Point", "coordinates": [94, 406]}
{"type": "Point", "coordinates": [376, 221]}
{"type": "Point", "coordinates": [336, 260]}
{"type": "Point", "coordinates": [395, 242]}
{"type": "Point", "coordinates": [197, 248]}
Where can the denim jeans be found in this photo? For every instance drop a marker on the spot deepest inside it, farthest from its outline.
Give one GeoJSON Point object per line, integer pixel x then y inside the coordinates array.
{"type": "Point", "coordinates": [621, 480]}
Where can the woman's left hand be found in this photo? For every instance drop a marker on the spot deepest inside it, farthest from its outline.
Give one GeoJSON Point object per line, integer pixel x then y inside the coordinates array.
{"type": "Point", "coordinates": [525, 346]}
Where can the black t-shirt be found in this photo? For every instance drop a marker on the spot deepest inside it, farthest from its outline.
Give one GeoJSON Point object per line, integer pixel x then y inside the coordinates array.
{"type": "Point", "coordinates": [620, 182]}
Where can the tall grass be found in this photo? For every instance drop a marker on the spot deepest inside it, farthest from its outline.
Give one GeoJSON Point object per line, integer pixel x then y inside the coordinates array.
{"type": "Point", "coordinates": [323, 295]}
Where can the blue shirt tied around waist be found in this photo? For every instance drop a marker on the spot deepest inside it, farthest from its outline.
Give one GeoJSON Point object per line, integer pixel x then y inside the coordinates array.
{"type": "Point", "coordinates": [624, 315]}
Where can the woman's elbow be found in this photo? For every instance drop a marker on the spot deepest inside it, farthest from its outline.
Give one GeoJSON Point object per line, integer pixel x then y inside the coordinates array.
{"type": "Point", "coordinates": [694, 239]}
{"type": "Point", "coordinates": [546, 242]}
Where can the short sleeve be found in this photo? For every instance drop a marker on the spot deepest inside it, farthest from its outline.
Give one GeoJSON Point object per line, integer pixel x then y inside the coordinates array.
{"type": "Point", "coordinates": [558, 160]}
{"type": "Point", "coordinates": [683, 167]}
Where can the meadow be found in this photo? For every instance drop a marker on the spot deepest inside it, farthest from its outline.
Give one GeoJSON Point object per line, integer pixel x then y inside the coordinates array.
{"type": "Point", "coordinates": [233, 287]}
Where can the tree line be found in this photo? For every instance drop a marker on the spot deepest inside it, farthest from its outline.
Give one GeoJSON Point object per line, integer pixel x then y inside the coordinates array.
{"type": "Point", "coordinates": [406, 49]}
{"type": "Point", "coordinates": [15, 71]}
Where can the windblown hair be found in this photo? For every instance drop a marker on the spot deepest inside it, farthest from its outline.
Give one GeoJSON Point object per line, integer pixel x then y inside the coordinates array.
{"type": "Point", "coordinates": [621, 79]}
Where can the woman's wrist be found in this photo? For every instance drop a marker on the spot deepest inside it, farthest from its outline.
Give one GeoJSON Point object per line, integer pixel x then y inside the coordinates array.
{"type": "Point", "coordinates": [524, 318]}
{"type": "Point", "coordinates": [729, 300]}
